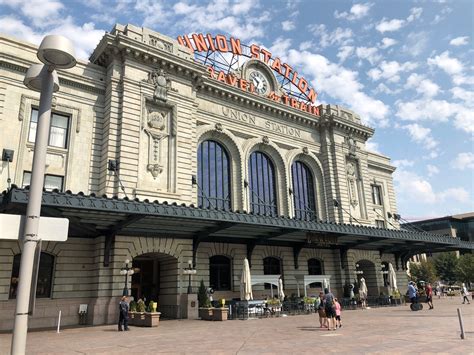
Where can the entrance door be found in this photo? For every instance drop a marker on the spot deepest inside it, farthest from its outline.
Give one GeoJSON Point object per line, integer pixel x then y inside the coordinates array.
{"type": "Point", "coordinates": [146, 282]}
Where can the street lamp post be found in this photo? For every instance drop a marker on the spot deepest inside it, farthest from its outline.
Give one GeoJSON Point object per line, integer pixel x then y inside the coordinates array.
{"type": "Point", "coordinates": [126, 270]}
{"type": "Point", "coordinates": [55, 52]}
{"type": "Point", "coordinates": [189, 271]}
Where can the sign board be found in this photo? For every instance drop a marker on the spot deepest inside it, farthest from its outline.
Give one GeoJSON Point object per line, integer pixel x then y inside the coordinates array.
{"type": "Point", "coordinates": [50, 229]}
{"type": "Point", "coordinates": [321, 240]}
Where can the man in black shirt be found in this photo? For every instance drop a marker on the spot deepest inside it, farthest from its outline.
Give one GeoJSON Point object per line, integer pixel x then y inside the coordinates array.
{"type": "Point", "coordinates": [123, 315]}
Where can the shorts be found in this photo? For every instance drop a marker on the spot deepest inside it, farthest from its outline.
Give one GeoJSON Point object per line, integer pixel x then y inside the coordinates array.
{"type": "Point", "coordinates": [338, 318]}
{"type": "Point", "coordinates": [322, 313]}
{"type": "Point", "coordinates": [429, 299]}
{"type": "Point", "coordinates": [330, 312]}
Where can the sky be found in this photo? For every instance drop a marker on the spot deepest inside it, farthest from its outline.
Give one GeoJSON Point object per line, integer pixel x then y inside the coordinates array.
{"type": "Point", "coordinates": [406, 67]}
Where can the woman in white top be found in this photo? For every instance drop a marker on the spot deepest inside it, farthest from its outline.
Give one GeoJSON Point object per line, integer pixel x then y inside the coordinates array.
{"type": "Point", "coordinates": [465, 293]}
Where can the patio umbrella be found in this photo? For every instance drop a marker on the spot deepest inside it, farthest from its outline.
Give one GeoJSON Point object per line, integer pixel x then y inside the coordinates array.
{"type": "Point", "coordinates": [281, 294]}
{"type": "Point", "coordinates": [363, 289]}
{"type": "Point", "coordinates": [392, 277]}
{"type": "Point", "coordinates": [246, 282]}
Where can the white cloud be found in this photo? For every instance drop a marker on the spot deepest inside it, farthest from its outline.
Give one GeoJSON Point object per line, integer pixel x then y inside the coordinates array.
{"type": "Point", "coordinates": [386, 90]}
{"type": "Point", "coordinates": [340, 36]}
{"type": "Point", "coordinates": [387, 42]}
{"type": "Point", "coordinates": [84, 38]}
{"type": "Point", "coordinates": [372, 146]}
{"type": "Point", "coordinates": [341, 84]}
{"type": "Point", "coordinates": [422, 135]}
{"type": "Point", "coordinates": [356, 12]}
{"type": "Point", "coordinates": [287, 25]}
{"type": "Point", "coordinates": [412, 187]}
{"type": "Point", "coordinates": [441, 15]}
{"type": "Point", "coordinates": [403, 163]}
{"type": "Point", "coordinates": [369, 53]}
{"type": "Point", "coordinates": [389, 25]}
{"type": "Point", "coordinates": [305, 45]}
{"type": "Point", "coordinates": [459, 41]}
{"type": "Point", "coordinates": [41, 12]}
{"type": "Point", "coordinates": [416, 43]}
{"type": "Point", "coordinates": [390, 70]}
{"type": "Point", "coordinates": [464, 95]}
{"type": "Point", "coordinates": [423, 86]}
{"type": "Point", "coordinates": [415, 14]}
{"type": "Point", "coordinates": [280, 46]}
{"type": "Point", "coordinates": [463, 161]}
{"type": "Point", "coordinates": [437, 110]}
{"type": "Point", "coordinates": [344, 53]}
{"type": "Point", "coordinates": [448, 64]}
{"type": "Point", "coordinates": [432, 170]}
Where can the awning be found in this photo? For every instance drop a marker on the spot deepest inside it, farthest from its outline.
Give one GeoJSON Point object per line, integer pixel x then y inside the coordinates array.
{"type": "Point", "coordinates": [92, 216]}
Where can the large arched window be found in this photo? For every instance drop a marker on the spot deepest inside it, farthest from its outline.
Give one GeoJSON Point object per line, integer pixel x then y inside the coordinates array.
{"type": "Point", "coordinates": [315, 267]}
{"type": "Point", "coordinates": [271, 266]}
{"type": "Point", "coordinates": [262, 185]}
{"type": "Point", "coordinates": [303, 192]}
{"type": "Point", "coordinates": [220, 274]}
{"type": "Point", "coordinates": [45, 276]}
{"type": "Point", "coordinates": [213, 176]}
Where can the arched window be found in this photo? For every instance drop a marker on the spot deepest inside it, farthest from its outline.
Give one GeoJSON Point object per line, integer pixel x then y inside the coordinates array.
{"type": "Point", "coordinates": [213, 176]}
{"type": "Point", "coordinates": [303, 192]}
{"type": "Point", "coordinates": [220, 274]}
{"type": "Point", "coordinates": [262, 185]}
{"type": "Point", "coordinates": [45, 276]}
{"type": "Point", "coordinates": [315, 267]}
{"type": "Point", "coordinates": [271, 266]}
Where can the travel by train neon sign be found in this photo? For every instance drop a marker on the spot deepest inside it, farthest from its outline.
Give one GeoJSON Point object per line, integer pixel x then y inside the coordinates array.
{"type": "Point", "coordinates": [297, 94]}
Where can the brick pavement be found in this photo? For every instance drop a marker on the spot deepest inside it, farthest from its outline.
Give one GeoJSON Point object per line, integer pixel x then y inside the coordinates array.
{"type": "Point", "coordinates": [389, 330]}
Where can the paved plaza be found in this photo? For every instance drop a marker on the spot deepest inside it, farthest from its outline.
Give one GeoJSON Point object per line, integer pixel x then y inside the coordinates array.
{"type": "Point", "coordinates": [388, 330]}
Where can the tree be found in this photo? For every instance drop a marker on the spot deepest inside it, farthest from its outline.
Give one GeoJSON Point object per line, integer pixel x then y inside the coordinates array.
{"type": "Point", "coordinates": [423, 271]}
{"type": "Point", "coordinates": [445, 264]}
{"type": "Point", "coordinates": [465, 268]}
{"type": "Point", "coordinates": [203, 298]}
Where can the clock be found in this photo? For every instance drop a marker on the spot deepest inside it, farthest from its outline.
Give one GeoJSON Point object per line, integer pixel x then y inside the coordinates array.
{"type": "Point", "coordinates": [260, 82]}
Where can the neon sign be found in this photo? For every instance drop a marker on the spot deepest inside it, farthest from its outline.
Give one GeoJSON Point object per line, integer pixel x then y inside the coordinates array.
{"type": "Point", "coordinates": [199, 43]}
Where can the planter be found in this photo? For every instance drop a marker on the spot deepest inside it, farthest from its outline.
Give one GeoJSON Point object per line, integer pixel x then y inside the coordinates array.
{"type": "Point", "coordinates": [217, 314]}
{"type": "Point", "coordinates": [144, 319]}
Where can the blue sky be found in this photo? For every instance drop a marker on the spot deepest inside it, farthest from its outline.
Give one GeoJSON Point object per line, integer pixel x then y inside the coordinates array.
{"type": "Point", "coordinates": [405, 66]}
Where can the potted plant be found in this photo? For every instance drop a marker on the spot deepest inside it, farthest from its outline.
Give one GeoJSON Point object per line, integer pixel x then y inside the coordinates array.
{"type": "Point", "coordinates": [142, 316]}
{"type": "Point", "coordinates": [220, 313]}
{"type": "Point", "coordinates": [205, 311]}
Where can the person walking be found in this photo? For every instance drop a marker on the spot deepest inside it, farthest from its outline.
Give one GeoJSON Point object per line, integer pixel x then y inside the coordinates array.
{"type": "Point", "coordinates": [465, 294]}
{"type": "Point", "coordinates": [123, 314]}
{"type": "Point", "coordinates": [337, 307]}
{"type": "Point", "coordinates": [412, 292]}
{"type": "Point", "coordinates": [323, 321]}
{"type": "Point", "coordinates": [429, 295]}
{"type": "Point", "coordinates": [329, 309]}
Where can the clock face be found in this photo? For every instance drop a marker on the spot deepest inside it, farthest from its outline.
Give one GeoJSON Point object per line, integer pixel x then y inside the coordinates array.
{"type": "Point", "coordinates": [260, 82]}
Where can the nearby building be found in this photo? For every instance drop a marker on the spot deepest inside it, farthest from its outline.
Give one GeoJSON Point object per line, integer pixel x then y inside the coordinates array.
{"type": "Point", "coordinates": [169, 160]}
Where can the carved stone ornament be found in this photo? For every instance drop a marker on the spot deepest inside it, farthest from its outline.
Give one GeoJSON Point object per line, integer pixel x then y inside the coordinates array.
{"type": "Point", "coordinates": [265, 140]}
{"type": "Point", "coordinates": [155, 169]}
{"type": "Point", "coordinates": [54, 101]}
{"type": "Point", "coordinates": [351, 170]}
{"type": "Point", "coordinates": [218, 127]}
{"type": "Point", "coordinates": [305, 150]}
{"type": "Point", "coordinates": [162, 84]}
{"type": "Point", "coordinates": [156, 120]}
{"type": "Point", "coordinates": [352, 144]}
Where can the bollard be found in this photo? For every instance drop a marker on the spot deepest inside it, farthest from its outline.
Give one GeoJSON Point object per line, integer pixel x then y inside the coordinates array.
{"type": "Point", "coordinates": [59, 321]}
{"type": "Point", "coordinates": [461, 323]}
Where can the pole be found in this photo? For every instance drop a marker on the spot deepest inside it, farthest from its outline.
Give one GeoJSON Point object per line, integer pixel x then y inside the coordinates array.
{"type": "Point", "coordinates": [461, 323]}
{"type": "Point", "coordinates": [190, 290]}
{"type": "Point", "coordinates": [59, 321]}
{"type": "Point", "coordinates": [125, 288]}
{"type": "Point", "coordinates": [33, 210]}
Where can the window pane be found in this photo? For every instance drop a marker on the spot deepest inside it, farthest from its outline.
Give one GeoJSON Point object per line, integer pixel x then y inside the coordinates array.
{"type": "Point", "coordinates": [45, 276]}
{"type": "Point", "coordinates": [262, 185]}
{"type": "Point", "coordinates": [219, 273]}
{"type": "Point", "coordinates": [57, 137]}
{"type": "Point", "coordinates": [213, 176]}
{"type": "Point", "coordinates": [33, 124]}
{"type": "Point", "coordinates": [26, 179]}
{"type": "Point", "coordinates": [52, 182]}
{"type": "Point", "coordinates": [303, 192]}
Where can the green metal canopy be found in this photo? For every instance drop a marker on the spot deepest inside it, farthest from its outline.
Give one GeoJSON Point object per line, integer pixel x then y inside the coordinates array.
{"type": "Point", "coordinates": [91, 216]}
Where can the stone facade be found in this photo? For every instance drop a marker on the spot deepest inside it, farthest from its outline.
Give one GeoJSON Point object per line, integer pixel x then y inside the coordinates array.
{"type": "Point", "coordinates": [144, 102]}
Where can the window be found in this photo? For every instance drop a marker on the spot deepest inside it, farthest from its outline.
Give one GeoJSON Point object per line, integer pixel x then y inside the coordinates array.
{"type": "Point", "coordinates": [213, 176]}
{"type": "Point", "coordinates": [315, 267]}
{"type": "Point", "coordinates": [303, 192]}
{"type": "Point", "coordinates": [220, 275]}
{"type": "Point", "coordinates": [262, 185]}
{"type": "Point", "coordinates": [58, 130]}
{"type": "Point", "coordinates": [376, 195]}
{"type": "Point", "coordinates": [45, 276]}
{"type": "Point", "coordinates": [379, 223]}
{"type": "Point", "coordinates": [271, 266]}
{"type": "Point", "coordinates": [51, 182]}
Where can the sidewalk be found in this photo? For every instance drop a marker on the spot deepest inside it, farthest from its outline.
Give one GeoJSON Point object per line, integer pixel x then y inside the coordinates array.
{"type": "Point", "coordinates": [388, 330]}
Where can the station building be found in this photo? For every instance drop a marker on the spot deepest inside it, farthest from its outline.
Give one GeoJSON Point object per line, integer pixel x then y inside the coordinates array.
{"type": "Point", "coordinates": [163, 151]}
